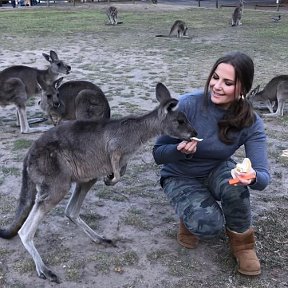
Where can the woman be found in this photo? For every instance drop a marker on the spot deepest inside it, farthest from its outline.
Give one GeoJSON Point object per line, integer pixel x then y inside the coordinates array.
{"type": "Point", "coordinates": [195, 175]}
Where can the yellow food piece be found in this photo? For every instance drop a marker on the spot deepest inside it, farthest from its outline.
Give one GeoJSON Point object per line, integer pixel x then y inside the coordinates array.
{"type": "Point", "coordinates": [245, 166]}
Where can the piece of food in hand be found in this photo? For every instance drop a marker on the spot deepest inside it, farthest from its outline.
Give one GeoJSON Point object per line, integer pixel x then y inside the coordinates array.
{"type": "Point", "coordinates": [243, 167]}
{"type": "Point", "coordinates": [196, 139]}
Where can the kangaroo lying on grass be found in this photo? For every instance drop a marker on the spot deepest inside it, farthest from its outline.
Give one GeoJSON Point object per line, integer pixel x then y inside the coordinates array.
{"type": "Point", "coordinates": [275, 93]}
{"type": "Point", "coordinates": [74, 100]}
{"type": "Point", "coordinates": [83, 151]}
{"type": "Point", "coordinates": [31, 79]}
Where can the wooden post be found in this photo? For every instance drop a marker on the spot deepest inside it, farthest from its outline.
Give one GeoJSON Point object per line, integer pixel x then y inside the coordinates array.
{"type": "Point", "coordinates": [198, 3]}
{"type": "Point", "coordinates": [277, 4]}
{"type": "Point", "coordinates": [217, 6]}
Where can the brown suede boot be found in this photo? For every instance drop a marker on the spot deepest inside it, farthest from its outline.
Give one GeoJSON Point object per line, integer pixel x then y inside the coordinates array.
{"type": "Point", "coordinates": [243, 248]}
{"type": "Point", "coordinates": [186, 238]}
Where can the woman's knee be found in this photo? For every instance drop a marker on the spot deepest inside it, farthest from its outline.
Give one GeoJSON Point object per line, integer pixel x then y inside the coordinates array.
{"type": "Point", "coordinates": [204, 225]}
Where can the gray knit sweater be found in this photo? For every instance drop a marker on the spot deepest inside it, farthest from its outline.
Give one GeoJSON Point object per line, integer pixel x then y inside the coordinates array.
{"type": "Point", "coordinates": [211, 151]}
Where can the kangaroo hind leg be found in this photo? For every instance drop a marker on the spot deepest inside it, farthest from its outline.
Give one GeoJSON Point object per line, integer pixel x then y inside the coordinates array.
{"type": "Point", "coordinates": [73, 210]}
{"type": "Point", "coordinates": [46, 200]}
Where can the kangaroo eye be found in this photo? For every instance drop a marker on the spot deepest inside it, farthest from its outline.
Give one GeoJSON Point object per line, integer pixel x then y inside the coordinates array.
{"type": "Point", "coordinates": [181, 122]}
{"type": "Point", "coordinates": [49, 96]}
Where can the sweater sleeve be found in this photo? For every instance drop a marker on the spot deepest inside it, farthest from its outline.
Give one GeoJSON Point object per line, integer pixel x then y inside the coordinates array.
{"type": "Point", "coordinates": [165, 151]}
{"type": "Point", "coordinates": [256, 151]}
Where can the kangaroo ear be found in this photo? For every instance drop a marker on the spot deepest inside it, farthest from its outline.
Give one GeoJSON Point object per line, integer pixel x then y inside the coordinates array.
{"type": "Point", "coordinates": [162, 93]}
{"type": "Point", "coordinates": [54, 55]}
{"type": "Point", "coordinates": [47, 57]}
{"type": "Point", "coordinates": [171, 105]}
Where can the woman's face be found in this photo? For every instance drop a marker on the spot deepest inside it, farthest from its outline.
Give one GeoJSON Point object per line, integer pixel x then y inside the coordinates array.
{"type": "Point", "coordinates": [222, 86]}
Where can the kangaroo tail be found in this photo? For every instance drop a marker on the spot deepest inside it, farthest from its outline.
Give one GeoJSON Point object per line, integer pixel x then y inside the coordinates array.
{"type": "Point", "coordinates": [25, 204]}
{"type": "Point", "coordinates": [160, 35]}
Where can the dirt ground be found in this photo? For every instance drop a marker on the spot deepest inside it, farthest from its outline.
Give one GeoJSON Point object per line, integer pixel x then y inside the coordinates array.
{"type": "Point", "coordinates": [127, 61]}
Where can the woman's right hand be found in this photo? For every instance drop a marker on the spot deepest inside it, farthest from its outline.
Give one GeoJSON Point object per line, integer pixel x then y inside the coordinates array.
{"type": "Point", "coordinates": [187, 147]}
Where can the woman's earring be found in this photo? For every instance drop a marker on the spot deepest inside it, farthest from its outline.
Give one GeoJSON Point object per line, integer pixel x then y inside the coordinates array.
{"type": "Point", "coordinates": [242, 97]}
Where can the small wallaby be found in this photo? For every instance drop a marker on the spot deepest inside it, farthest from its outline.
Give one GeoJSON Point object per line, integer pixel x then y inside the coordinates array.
{"type": "Point", "coordinates": [112, 13]}
{"type": "Point", "coordinates": [237, 14]}
{"type": "Point", "coordinates": [32, 78]}
{"type": "Point", "coordinates": [74, 100]}
{"type": "Point", "coordinates": [83, 151]}
{"type": "Point", "coordinates": [274, 94]}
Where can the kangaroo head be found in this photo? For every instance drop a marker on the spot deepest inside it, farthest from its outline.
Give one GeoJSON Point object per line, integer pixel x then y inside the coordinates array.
{"type": "Point", "coordinates": [174, 122]}
{"type": "Point", "coordinates": [50, 97]}
{"type": "Point", "coordinates": [57, 66]}
{"type": "Point", "coordinates": [253, 92]}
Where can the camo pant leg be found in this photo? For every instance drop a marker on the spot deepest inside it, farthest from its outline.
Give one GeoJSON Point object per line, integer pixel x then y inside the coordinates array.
{"type": "Point", "coordinates": [194, 203]}
{"type": "Point", "coordinates": [235, 200]}
{"type": "Point", "coordinates": [207, 204]}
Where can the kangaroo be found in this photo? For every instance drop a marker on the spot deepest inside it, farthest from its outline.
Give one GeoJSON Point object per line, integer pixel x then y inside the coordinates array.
{"type": "Point", "coordinates": [74, 100]}
{"type": "Point", "coordinates": [237, 14]}
{"type": "Point", "coordinates": [275, 93]}
{"type": "Point", "coordinates": [112, 13]}
{"type": "Point", "coordinates": [83, 151]}
{"type": "Point", "coordinates": [32, 78]}
{"type": "Point", "coordinates": [179, 28]}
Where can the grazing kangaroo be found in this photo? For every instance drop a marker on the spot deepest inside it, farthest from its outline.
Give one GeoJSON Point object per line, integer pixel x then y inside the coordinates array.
{"type": "Point", "coordinates": [179, 28]}
{"type": "Point", "coordinates": [112, 13]}
{"type": "Point", "coordinates": [74, 100]}
{"type": "Point", "coordinates": [275, 93]}
{"type": "Point", "coordinates": [237, 14]}
{"type": "Point", "coordinates": [82, 151]}
{"type": "Point", "coordinates": [31, 78]}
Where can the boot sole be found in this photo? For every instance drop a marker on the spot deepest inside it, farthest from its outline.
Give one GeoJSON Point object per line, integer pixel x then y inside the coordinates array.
{"type": "Point", "coordinates": [187, 245]}
{"type": "Point", "coordinates": [252, 273]}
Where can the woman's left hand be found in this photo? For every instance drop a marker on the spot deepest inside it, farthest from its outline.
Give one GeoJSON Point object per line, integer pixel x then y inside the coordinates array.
{"type": "Point", "coordinates": [245, 178]}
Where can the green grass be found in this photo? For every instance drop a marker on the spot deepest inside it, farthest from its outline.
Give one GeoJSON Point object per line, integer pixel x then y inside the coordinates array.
{"type": "Point", "coordinates": [21, 144]}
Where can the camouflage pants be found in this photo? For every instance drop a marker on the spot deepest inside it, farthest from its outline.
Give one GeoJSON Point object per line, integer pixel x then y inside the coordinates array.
{"type": "Point", "coordinates": [208, 204]}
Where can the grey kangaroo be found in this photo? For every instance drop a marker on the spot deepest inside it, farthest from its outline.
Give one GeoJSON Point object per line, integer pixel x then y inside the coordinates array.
{"type": "Point", "coordinates": [74, 100]}
{"type": "Point", "coordinates": [275, 93]}
{"type": "Point", "coordinates": [237, 14]}
{"type": "Point", "coordinates": [83, 151]}
{"type": "Point", "coordinates": [31, 78]}
{"type": "Point", "coordinates": [112, 13]}
{"type": "Point", "coordinates": [179, 28]}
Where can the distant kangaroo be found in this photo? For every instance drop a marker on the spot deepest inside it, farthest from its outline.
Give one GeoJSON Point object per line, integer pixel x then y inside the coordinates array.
{"type": "Point", "coordinates": [179, 28]}
{"type": "Point", "coordinates": [274, 93]}
{"type": "Point", "coordinates": [31, 78]}
{"type": "Point", "coordinates": [82, 152]}
{"type": "Point", "coordinates": [80, 100]}
{"type": "Point", "coordinates": [237, 14]}
{"type": "Point", "coordinates": [112, 13]}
